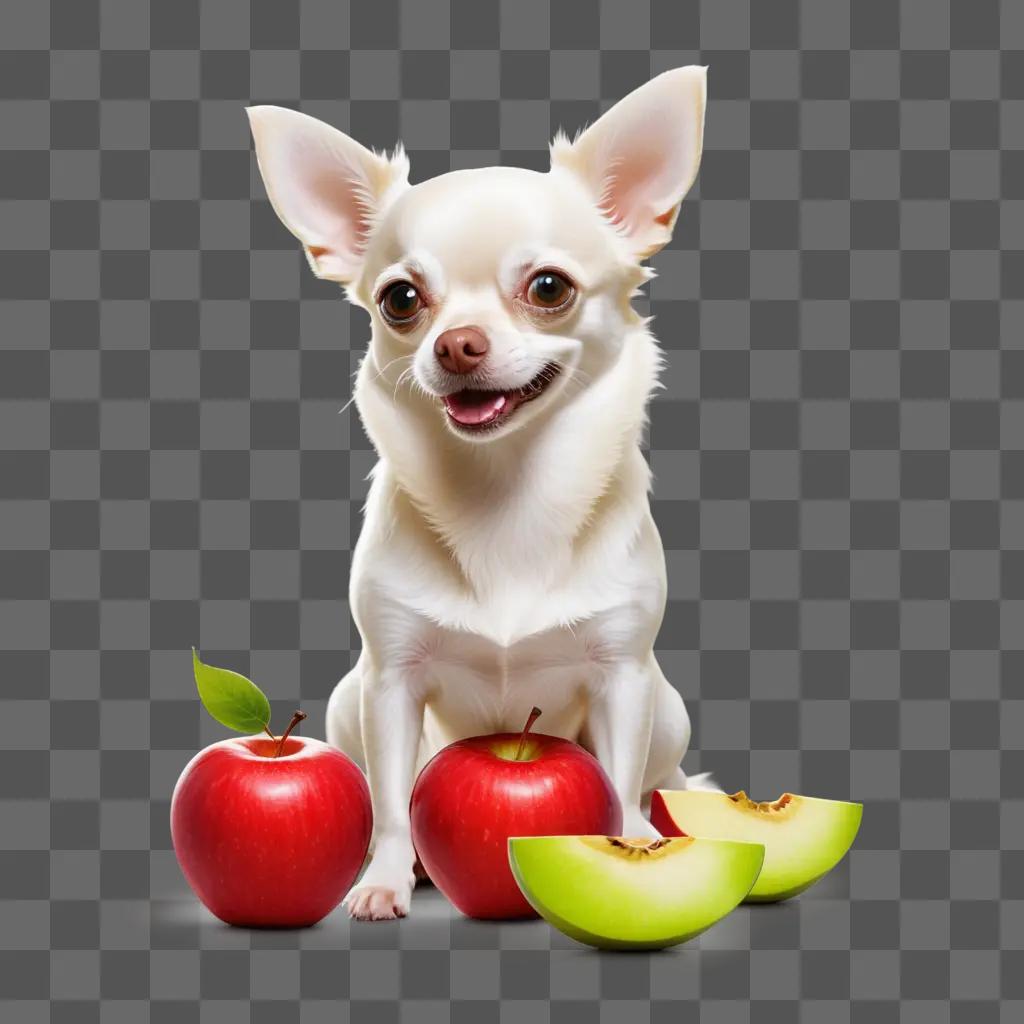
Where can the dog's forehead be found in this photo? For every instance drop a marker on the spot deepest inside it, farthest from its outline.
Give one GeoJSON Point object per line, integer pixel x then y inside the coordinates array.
{"type": "Point", "coordinates": [471, 220]}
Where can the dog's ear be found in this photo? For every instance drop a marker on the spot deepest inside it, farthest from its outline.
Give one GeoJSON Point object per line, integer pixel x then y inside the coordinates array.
{"type": "Point", "coordinates": [640, 158]}
{"type": "Point", "coordinates": [326, 188]}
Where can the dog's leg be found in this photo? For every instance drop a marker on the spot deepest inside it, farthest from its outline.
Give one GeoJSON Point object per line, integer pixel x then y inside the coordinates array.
{"type": "Point", "coordinates": [343, 728]}
{"type": "Point", "coordinates": [670, 739]}
{"type": "Point", "coordinates": [619, 725]}
{"type": "Point", "coordinates": [392, 722]}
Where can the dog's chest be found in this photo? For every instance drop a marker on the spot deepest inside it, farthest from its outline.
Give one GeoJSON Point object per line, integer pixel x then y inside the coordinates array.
{"type": "Point", "coordinates": [495, 685]}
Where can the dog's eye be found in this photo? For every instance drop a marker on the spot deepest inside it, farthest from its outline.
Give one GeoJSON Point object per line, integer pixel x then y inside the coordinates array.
{"type": "Point", "coordinates": [548, 290]}
{"type": "Point", "coordinates": [400, 302]}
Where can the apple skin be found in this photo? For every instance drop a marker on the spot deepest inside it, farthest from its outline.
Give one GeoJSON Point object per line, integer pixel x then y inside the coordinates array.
{"type": "Point", "coordinates": [271, 842]}
{"type": "Point", "coordinates": [469, 800]}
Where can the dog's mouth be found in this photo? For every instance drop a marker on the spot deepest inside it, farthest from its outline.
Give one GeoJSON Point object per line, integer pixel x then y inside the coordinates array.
{"type": "Point", "coordinates": [475, 409]}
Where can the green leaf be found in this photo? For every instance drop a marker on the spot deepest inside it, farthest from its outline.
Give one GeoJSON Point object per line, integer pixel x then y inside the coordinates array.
{"type": "Point", "coordinates": [232, 699]}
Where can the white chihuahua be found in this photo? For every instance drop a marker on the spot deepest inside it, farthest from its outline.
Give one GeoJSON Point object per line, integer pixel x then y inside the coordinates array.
{"type": "Point", "coordinates": [508, 556]}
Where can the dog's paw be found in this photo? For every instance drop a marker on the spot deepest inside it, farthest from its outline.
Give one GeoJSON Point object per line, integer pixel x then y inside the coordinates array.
{"type": "Point", "coordinates": [378, 902]}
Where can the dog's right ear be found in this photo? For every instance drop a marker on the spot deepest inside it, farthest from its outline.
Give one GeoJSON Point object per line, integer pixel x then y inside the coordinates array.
{"type": "Point", "coordinates": [327, 189]}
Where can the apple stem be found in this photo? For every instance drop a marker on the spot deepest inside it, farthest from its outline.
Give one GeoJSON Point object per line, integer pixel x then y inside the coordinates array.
{"type": "Point", "coordinates": [296, 718]}
{"type": "Point", "coordinates": [534, 715]}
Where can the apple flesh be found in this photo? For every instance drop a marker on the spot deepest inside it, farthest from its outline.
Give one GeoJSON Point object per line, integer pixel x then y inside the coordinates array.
{"type": "Point", "coordinates": [473, 795]}
{"type": "Point", "coordinates": [271, 841]}
{"type": "Point", "coordinates": [803, 837]}
{"type": "Point", "coordinates": [617, 893]}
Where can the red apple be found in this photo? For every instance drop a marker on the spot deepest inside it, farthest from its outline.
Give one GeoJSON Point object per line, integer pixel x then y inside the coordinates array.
{"type": "Point", "coordinates": [271, 841]}
{"type": "Point", "coordinates": [473, 795]}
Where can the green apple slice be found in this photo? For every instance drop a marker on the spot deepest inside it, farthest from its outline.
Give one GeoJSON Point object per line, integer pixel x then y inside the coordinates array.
{"type": "Point", "coordinates": [804, 837]}
{"type": "Point", "coordinates": [617, 893]}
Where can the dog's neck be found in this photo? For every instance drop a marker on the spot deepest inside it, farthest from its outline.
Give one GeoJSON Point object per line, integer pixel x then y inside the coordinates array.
{"type": "Point", "coordinates": [521, 508]}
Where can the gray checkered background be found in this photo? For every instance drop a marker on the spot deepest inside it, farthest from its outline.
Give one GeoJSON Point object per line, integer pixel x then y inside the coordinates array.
{"type": "Point", "coordinates": [839, 459]}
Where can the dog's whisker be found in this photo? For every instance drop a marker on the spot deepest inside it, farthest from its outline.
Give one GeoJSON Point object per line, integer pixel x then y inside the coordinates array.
{"type": "Point", "coordinates": [387, 366]}
{"type": "Point", "coordinates": [408, 376]}
{"type": "Point", "coordinates": [376, 376]}
{"type": "Point", "coordinates": [407, 373]}
{"type": "Point", "coordinates": [575, 378]}
{"type": "Point", "coordinates": [573, 372]}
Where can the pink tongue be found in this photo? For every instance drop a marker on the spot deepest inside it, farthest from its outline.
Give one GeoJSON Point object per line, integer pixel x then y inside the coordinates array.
{"type": "Point", "coordinates": [475, 407]}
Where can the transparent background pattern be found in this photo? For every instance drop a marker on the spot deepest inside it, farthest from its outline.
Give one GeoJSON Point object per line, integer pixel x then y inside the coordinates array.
{"type": "Point", "coordinates": [839, 461]}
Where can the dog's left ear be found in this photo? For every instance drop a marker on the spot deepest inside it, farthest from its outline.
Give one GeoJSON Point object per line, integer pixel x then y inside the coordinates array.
{"type": "Point", "coordinates": [641, 157]}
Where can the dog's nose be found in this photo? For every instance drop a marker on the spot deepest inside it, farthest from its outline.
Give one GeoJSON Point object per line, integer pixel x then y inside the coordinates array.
{"type": "Point", "coordinates": [461, 349]}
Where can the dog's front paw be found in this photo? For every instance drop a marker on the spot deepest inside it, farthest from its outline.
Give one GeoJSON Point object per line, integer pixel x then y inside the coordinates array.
{"type": "Point", "coordinates": [385, 890]}
{"type": "Point", "coordinates": [378, 902]}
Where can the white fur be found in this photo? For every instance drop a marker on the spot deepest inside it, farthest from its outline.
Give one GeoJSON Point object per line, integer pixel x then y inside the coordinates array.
{"type": "Point", "coordinates": [521, 566]}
